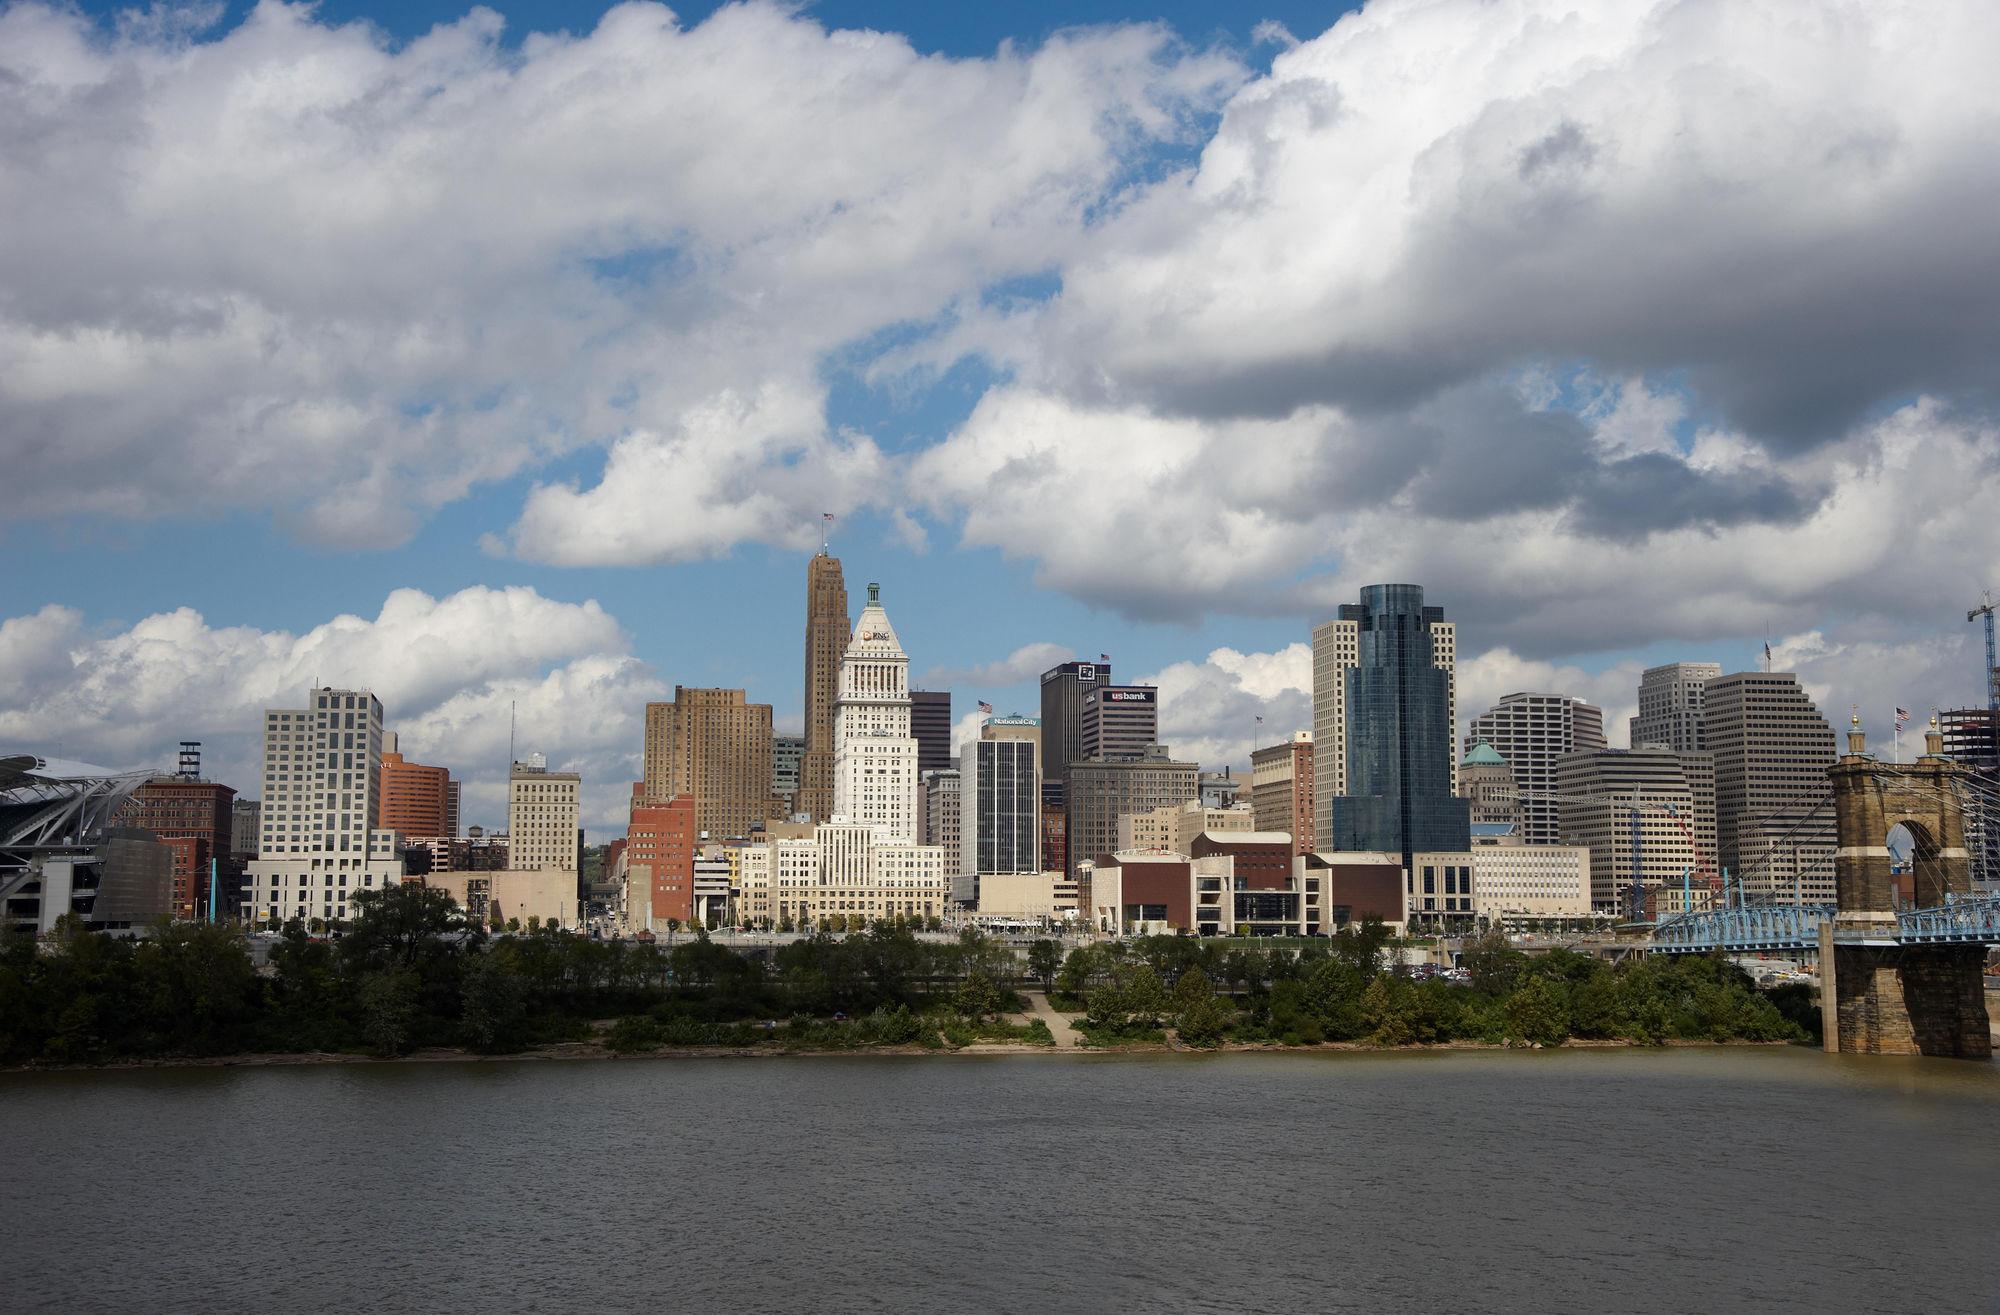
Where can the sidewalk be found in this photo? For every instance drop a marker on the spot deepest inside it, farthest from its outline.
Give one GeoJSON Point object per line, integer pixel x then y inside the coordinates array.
{"type": "Point", "coordinates": [1059, 1028]}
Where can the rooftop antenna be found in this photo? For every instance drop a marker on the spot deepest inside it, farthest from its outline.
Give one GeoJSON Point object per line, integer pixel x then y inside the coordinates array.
{"type": "Point", "coordinates": [825, 525]}
{"type": "Point", "coordinates": [510, 737]}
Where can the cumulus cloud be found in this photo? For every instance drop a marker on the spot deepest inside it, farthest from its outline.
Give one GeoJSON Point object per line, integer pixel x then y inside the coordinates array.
{"type": "Point", "coordinates": [445, 669]}
{"type": "Point", "coordinates": [1485, 679]}
{"type": "Point", "coordinates": [1773, 204]}
{"type": "Point", "coordinates": [290, 265]}
{"type": "Point", "coordinates": [1209, 709]}
{"type": "Point", "coordinates": [1027, 662]}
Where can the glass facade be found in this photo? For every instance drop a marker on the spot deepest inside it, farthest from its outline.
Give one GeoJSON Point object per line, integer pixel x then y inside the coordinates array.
{"type": "Point", "coordinates": [1400, 738]}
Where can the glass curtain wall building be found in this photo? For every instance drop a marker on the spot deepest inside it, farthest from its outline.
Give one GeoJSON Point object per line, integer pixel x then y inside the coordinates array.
{"type": "Point", "coordinates": [1401, 744]}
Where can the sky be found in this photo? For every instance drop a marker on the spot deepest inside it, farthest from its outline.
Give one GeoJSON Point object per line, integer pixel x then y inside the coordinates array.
{"type": "Point", "coordinates": [503, 359]}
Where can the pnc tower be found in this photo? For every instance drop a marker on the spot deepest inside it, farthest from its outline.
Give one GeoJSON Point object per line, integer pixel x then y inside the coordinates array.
{"type": "Point", "coordinates": [826, 643]}
{"type": "Point", "coordinates": [875, 756]}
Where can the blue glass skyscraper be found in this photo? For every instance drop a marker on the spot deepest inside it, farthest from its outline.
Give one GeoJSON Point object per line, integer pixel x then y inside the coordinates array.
{"type": "Point", "coordinates": [1401, 743]}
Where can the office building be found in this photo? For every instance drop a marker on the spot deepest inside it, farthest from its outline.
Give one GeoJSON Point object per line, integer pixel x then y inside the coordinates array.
{"type": "Point", "coordinates": [506, 898]}
{"type": "Point", "coordinates": [1102, 792]}
{"type": "Point", "coordinates": [930, 723]}
{"type": "Point", "coordinates": [1000, 819]}
{"type": "Point", "coordinates": [244, 817]}
{"type": "Point", "coordinates": [1066, 688]}
{"type": "Point", "coordinates": [1384, 727]}
{"type": "Point", "coordinates": [713, 744]}
{"type": "Point", "coordinates": [658, 862]}
{"type": "Point", "coordinates": [1119, 721]}
{"type": "Point", "coordinates": [542, 809]}
{"type": "Point", "coordinates": [1055, 834]}
{"type": "Point", "coordinates": [827, 635]}
{"type": "Point", "coordinates": [1281, 789]}
{"type": "Point", "coordinates": [1223, 789]}
{"type": "Point", "coordinates": [943, 810]}
{"type": "Point", "coordinates": [1972, 736]}
{"type": "Point", "coordinates": [194, 819]}
{"type": "Point", "coordinates": [1773, 801]}
{"type": "Point", "coordinates": [875, 756]}
{"type": "Point", "coordinates": [1526, 887]}
{"type": "Point", "coordinates": [1486, 782]}
{"type": "Point", "coordinates": [1670, 705]}
{"type": "Point", "coordinates": [1530, 732]}
{"type": "Point", "coordinates": [416, 800]}
{"type": "Point", "coordinates": [320, 843]}
{"type": "Point", "coordinates": [1648, 818]}
{"type": "Point", "coordinates": [1175, 828]}
{"type": "Point", "coordinates": [787, 757]}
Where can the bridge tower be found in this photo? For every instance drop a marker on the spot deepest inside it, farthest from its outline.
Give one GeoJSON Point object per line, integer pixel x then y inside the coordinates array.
{"type": "Point", "coordinates": [1880, 995]}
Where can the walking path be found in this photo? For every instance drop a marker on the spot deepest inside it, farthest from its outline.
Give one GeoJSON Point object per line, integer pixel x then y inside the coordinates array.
{"type": "Point", "coordinates": [1059, 1028]}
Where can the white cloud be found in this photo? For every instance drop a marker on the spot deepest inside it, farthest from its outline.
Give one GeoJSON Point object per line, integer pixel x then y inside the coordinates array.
{"type": "Point", "coordinates": [1485, 679]}
{"type": "Point", "coordinates": [293, 266]}
{"type": "Point", "coordinates": [1209, 709]}
{"type": "Point", "coordinates": [1027, 662]}
{"type": "Point", "coordinates": [444, 668]}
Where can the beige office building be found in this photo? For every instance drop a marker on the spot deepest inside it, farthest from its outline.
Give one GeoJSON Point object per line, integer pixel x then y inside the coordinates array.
{"type": "Point", "coordinates": [1100, 793]}
{"type": "Point", "coordinates": [542, 811]}
{"type": "Point", "coordinates": [1529, 885]}
{"type": "Point", "coordinates": [1669, 796]}
{"type": "Point", "coordinates": [827, 634]}
{"type": "Point", "coordinates": [1173, 829]}
{"type": "Point", "coordinates": [1530, 732]}
{"type": "Point", "coordinates": [1281, 789]}
{"type": "Point", "coordinates": [1773, 802]}
{"type": "Point", "coordinates": [715, 745]}
{"type": "Point", "coordinates": [1670, 705]}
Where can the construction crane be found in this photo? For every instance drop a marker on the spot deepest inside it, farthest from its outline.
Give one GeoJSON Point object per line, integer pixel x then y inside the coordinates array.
{"type": "Point", "coordinates": [1985, 609]}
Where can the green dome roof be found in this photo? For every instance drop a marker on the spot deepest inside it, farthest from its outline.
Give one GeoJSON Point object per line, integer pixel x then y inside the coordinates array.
{"type": "Point", "coordinates": [1483, 755]}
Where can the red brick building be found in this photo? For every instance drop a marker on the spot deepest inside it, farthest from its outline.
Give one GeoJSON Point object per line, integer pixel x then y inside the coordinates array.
{"type": "Point", "coordinates": [416, 800]}
{"type": "Point", "coordinates": [193, 818]}
{"type": "Point", "coordinates": [659, 850]}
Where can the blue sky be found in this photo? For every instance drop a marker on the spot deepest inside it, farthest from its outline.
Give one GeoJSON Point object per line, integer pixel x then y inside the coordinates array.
{"type": "Point", "coordinates": [1096, 340]}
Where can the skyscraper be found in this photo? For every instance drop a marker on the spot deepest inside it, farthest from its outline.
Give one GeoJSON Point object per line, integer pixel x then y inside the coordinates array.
{"type": "Point", "coordinates": [930, 722]}
{"type": "Point", "coordinates": [541, 818]}
{"type": "Point", "coordinates": [1065, 688]}
{"type": "Point", "coordinates": [715, 745]}
{"type": "Point", "coordinates": [999, 818]}
{"type": "Point", "coordinates": [1773, 815]}
{"type": "Point", "coordinates": [1118, 721]}
{"type": "Point", "coordinates": [827, 634]}
{"type": "Point", "coordinates": [320, 843]}
{"type": "Point", "coordinates": [1385, 703]}
{"type": "Point", "coordinates": [1670, 699]}
{"type": "Point", "coordinates": [1281, 789]}
{"type": "Point", "coordinates": [1102, 792]}
{"type": "Point", "coordinates": [1972, 735]}
{"type": "Point", "coordinates": [875, 756]}
{"type": "Point", "coordinates": [1531, 731]}
{"type": "Point", "coordinates": [1648, 818]}
{"type": "Point", "coordinates": [416, 799]}
{"type": "Point", "coordinates": [787, 753]}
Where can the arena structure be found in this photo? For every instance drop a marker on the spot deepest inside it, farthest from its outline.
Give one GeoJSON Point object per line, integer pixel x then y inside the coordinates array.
{"type": "Point", "coordinates": [63, 852]}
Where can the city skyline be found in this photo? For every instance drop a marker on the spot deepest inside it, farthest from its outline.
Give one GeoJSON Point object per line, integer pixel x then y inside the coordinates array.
{"type": "Point", "coordinates": [562, 526]}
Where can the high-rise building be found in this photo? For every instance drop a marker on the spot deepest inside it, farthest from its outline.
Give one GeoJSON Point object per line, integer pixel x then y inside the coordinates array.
{"type": "Point", "coordinates": [1055, 833]}
{"type": "Point", "coordinates": [1670, 699]}
{"type": "Point", "coordinates": [1648, 818]}
{"type": "Point", "coordinates": [787, 755]}
{"type": "Point", "coordinates": [943, 810]}
{"type": "Point", "coordinates": [1101, 792]}
{"type": "Point", "coordinates": [244, 816]}
{"type": "Point", "coordinates": [713, 744]}
{"type": "Point", "coordinates": [320, 842]}
{"type": "Point", "coordinates": [874, 755]}
{"type": "Point", "coordinates": [999, 820]}
{"type": "Point", "coordinates": [1972, 736]}
{"type": "Point", "coordinates": [453, 821]}
{"type": "Point", "coordinates": [1281, 789]}
{"type": "Point", "coordinates": [194, 819]}
{"type": "Point", "coordinates": [1385, 706]}
{"type": "Point", "coordinates": [827, 634]}
{"type": "Point", "coordinates": [930, 723]}
{"type": "Point", "coordinates": [542, 809]}
{"type": "Point", "coordinates": [416, 800]}
{"type": "Point", "coordinates": [1119, 721]}
{"type": "Point", "coordinates": [1530, 732]}
{"type": "Point", "coordinates": [1488, 784]}
{"type": "Point", "coordinates": [1773, 801]}
{"type": "Point", "coordinates": [1066, 687]}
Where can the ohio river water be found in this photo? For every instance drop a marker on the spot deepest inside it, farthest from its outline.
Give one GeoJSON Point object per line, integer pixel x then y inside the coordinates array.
{"type": "Point", "coordinates": [1685, 1180]}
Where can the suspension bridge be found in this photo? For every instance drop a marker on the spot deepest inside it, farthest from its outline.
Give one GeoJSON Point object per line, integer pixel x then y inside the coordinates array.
{"type": "Point", "coordinates": [1893, 980]}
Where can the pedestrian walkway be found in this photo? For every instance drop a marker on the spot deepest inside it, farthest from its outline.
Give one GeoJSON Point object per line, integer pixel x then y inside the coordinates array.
{"type": "Point", "coordinates": [1059, 1028]}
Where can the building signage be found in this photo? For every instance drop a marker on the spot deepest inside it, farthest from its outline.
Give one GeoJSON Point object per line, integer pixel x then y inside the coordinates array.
{"type": "Point", "coordinates": [1129, 695]}
{"type": "Point", "coordinates": [1086, 672]}
{"type": "Point", "coordinates": [1013, 721]}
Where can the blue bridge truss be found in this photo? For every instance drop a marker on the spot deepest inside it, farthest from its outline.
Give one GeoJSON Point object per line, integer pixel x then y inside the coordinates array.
{"type": "Point", "coordinates": [1759, 928]}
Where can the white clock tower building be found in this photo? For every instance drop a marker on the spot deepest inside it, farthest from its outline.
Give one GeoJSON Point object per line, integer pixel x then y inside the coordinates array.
{"type": "Point", "coordinates": [875, 756]}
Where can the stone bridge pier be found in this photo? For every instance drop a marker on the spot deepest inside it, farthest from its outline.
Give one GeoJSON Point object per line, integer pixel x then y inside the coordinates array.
{"type": "Point", "coordinates": [1881, 995]}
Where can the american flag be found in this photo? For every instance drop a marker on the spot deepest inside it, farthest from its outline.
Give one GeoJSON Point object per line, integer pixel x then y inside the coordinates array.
{"type": "Point", "coordinates": [1104, 657]}
{"type": "Point", "coordinates": [984, 706]}
{"type": "Point", "coordinates": [1902, 715]}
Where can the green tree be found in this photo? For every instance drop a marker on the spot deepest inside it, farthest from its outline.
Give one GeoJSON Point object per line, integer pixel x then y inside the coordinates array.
{"type": "Point", "coordinates": [388, 1000]}
{"type": "Point", "coordinates": [976, 997]}
{"type": "Point", "coordinates": [1494, 963]}
{"type": "Point", "coordinates": [1044, 961]}
{"type": "Point", "coordinates": [1203, 1023]}
{"type": "Point", "coordinates": [1332, 994]}
{"type": "Point", "coordinates": [1538, 1012]}
{"type": "Point", "coordinates": [493, 1004]}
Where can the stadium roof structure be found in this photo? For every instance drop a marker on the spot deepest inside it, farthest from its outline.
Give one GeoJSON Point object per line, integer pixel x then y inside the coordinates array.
{"type": "Point", "coordinates": [46, 801]}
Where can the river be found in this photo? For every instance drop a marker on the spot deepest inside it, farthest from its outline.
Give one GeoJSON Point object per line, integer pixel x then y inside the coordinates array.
{"type": "Point", "coordinates": [1716, 1180]}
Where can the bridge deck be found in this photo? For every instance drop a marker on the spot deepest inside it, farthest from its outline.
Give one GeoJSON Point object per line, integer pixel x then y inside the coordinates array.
{"type": "Point", "coordinates": [1796, 927]}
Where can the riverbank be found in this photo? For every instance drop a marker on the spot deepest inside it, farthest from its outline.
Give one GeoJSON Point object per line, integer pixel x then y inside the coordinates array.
{"type": "Point", "coordinates": [590, 1050]}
